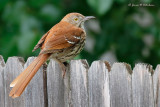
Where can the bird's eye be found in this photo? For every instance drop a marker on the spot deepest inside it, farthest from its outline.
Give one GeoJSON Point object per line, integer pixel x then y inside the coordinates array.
{"type": "Point", "coordinates": [75, 19]}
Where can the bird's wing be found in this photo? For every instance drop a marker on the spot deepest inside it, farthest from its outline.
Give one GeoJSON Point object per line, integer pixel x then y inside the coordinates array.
{"type": "Point", "coordinates": [63, 38]}
{"type": "Point", "coordinates": [41, 41]}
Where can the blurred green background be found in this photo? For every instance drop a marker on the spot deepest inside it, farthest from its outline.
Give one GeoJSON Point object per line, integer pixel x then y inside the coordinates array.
{"type": "Point", "coordinates": [120, 32]}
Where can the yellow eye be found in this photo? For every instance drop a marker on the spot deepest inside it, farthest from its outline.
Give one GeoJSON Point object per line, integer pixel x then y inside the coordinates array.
{"type": "Point", "coordinates": [75, 19]}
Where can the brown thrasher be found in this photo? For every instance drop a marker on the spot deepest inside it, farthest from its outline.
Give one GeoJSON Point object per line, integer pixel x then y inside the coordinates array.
{"type": "Point", "coordinates": [62, 42]}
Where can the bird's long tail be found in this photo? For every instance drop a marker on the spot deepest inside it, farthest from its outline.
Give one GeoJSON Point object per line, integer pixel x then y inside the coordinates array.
{"type": "Point", "coordinates": [20, 83]}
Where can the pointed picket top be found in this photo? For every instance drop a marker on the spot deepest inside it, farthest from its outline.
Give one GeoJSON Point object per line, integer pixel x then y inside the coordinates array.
{"type": "Point", "coordinates": [142, 86]}
{"type": "Point", "coordinates": [78, 83]}
{"type": "Point", "coordinates": [2, 63]}
{"type": "Point", "coordinates": [98, 84]}
{"type": "Point", "coordinates": [13, 67]}
{"type": "Point", "coordinates": [120, 85]}
{"type": "Point", "coordinates": [34, 93]}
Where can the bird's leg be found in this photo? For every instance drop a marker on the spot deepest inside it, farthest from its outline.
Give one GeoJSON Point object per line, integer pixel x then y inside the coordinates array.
{"type": "Point", "coordinates": [63, 67]}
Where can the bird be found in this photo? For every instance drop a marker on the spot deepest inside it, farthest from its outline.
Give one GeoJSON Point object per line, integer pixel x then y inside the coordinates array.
{"type": "Point", "coordinates": [62, 42]}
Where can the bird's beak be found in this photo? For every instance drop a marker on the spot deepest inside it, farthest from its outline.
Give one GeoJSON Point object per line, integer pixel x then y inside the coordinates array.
{"type": "Point", "coordinates": [89, 17]}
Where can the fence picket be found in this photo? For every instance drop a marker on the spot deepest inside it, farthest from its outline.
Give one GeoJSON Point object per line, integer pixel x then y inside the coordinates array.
{"type": "Point", "coordinates": [2, 91]}
{"type": "Point", "coordinates": [12, 69]}
{"type": "Point", "coordinates": [142, 86]}
{"type": "Point", "coordinates": [97, 76]}
{"type": "Point", "coordinates": [55, 85]}
{"type": "Point", "coordinates": [120, 85]}
{"type": "Point", "coordinates": [156, 81]}
{"type": "Point", "coordinates": [78, 83]}
{"type": "Point", "coordinates": [34, 93]}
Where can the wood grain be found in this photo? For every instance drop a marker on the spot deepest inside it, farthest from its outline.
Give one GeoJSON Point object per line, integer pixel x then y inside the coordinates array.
{"type": "Point", "coordinates": [142, 86]}
{"type": "Point", "coordinates": [12, 69]}
{"type": "Point", "coordinates": [34, 94]}
{"type": "Point", "coordinates": [55, 85]}
{"type": "Point", "coordinates": [97, 78]}
{"type": "Point", "coordinates": [2, 90]}
{"type": "Point", "coordinates": [78, 83]}
{"type": "Point", "coordinates": [45, 84]}
{"type": "Point", "coordinates": [120, 85]}
{"type": "Point", "coordinates": [156, 81]}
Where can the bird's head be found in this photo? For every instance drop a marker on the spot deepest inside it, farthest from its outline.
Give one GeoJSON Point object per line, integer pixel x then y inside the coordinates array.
{"type": "Point", "coordinates": [76, 19]}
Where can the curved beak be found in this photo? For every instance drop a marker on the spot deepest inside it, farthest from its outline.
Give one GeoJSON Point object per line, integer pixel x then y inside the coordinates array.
{"type": "Point", "coordinates": [89, 17]}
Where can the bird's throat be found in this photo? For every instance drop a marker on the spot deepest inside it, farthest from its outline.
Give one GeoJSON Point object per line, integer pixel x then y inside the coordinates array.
{"type": "Point", "coordinates": [81, 25]}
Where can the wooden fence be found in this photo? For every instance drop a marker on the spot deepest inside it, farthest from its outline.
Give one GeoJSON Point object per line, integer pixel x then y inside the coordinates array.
{"type": "Point", "coordinates": [96, 86]}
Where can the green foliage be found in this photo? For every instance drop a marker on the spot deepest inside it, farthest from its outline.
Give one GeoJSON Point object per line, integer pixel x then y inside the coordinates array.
{"type": "Point", "coordinates": [100, 6]}
{"type": "Point", "coordinates": [131, 33]}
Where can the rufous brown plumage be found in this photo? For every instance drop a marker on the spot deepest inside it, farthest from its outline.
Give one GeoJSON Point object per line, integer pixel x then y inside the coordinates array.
{"type": "Point", "coordinates": [62, 42]}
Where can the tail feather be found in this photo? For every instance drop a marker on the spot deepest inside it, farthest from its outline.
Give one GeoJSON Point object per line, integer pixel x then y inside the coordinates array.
{"type": "Point", "coordinates": [20, 83]}
{"type": "Point", "coordinates": [14, 82]}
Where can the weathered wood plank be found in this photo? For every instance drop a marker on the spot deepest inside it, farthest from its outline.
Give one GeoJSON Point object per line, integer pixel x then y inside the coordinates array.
{"type": "Point", "coordinates": [120, 85]}
{"type": "Point", "coordinates": [55, 85]}
{"type": "Point", "coordinates": [78, 83]}
{"type": "Point", "coordinates": [45, 84]}
{"type": "Point", "coordinates": [156, 81]}
{"type": "Point", "coordinates": [67, 92]}
{"type": "Point", "coordinates": [2, 91]}
{"type": "Point", "coordinates": [13, 68]}
{"type": "Point", "coordinates": [34, 93]}
{"type": "Point", "coordinates": [106, 86]}
{"type": "Point", "coordinates": [97, 80]}
{"type": "Point", "coordinates": [142, 86]}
